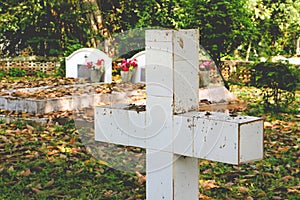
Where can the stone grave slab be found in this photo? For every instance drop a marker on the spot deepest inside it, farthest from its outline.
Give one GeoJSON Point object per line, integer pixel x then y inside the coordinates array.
{"type": "Point", "coordinates": [140, 75]}
{"type": "Point", "coordinates": [216, 94]}
{"type": "Point", "coordinates": [76, 63]}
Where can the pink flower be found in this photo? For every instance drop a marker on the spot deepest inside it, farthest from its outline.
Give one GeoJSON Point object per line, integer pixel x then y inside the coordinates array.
{"type": "Point", "coordinates": [99, 62]}
{"type": "Point", "coordinates": [129, 64]}
{"type": "Point", "coordinates": [133, 63]}
{"type": "Point", "coordinates": [205, 65]}
{"type": "Point", "coordinates": [99, 65]}
{"type": "Point", "coordinates": [89, 64]}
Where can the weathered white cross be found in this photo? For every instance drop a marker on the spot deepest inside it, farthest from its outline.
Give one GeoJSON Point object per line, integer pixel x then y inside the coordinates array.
{"type": "Point", "coordinates": [171, 129]}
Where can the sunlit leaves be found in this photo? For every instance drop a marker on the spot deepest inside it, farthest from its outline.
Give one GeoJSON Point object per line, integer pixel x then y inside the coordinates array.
{"type": "Point", "coordinates": [275, 21]}
{"type": "Point", "coordinates": [277, 81]}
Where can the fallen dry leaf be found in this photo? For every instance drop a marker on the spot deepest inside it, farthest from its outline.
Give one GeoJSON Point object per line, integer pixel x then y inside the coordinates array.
{"type": "Point", "coordinates": [268, 174]}
{"type": "Point", "coordinates": [141, 178]}
{"type": "Point", "coordinates": [38, 186]}
{"type": "Point", "coordinates": [294, 189]}
{"type": "Point", "coordinates": [35, 190]}
{"type": "Point", "coordinates": [243, 189]}
{"type": "Point", "coordinates": [267, 125]}
{"type": "Point", "coordinates": [229, 184]}
{"type": "Point", "coordinates": [202, 196]}
{"type": "Point", "coordinates": [26, 173]}
{"type": "Point", "coordinates": [286, 178]}
{"type": "Point", "coordinates": [11, 168]}
{"type": "Point", "coordinates": [2, 137]}
{"type": "Point", "coordinates": [72, 140]}
{"type": "Point", "coordinates": [80, 170]}
{"type": "Point", "coordinates": [30, 127]}
{"type": "Point", "coordinates": [207, 185]}
{"type": "Point", "coordinates": [49, 183]}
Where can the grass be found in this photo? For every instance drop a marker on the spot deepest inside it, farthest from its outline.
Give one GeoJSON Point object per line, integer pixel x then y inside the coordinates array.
{"type": "Point", "coordinates": [52, 163]}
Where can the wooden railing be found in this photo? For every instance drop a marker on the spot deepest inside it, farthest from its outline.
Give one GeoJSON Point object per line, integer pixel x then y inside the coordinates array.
{"type": "Point", "coordinates": [236, 70]}
{"type": "Point", "coordinates": [30, 65]}
{"type": "Point", "coordinates": [231, 70]}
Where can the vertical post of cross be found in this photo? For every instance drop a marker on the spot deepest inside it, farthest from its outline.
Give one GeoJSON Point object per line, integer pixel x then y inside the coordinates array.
{"type": "Point", "coordinates": [172, 87]}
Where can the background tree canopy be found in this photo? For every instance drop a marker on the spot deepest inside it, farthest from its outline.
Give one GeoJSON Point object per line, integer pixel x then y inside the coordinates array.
{"type": "Point", "coordinates": [46, 27]}
{"type": "Point", "coordinates": [248, 28]}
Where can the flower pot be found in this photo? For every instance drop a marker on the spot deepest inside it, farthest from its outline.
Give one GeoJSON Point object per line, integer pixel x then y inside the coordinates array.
{"type": "Point", "coordinates": [133, 72]}
{"type": "Point", "coordinates": [96, 75]}
{"type": "Point", "coordinates": [126, 76]}
{"type": "Point", "coordinates": [204, 78]}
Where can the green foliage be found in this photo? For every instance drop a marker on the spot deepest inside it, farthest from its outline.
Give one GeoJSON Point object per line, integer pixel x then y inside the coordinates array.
{"type": "Point", "coordinates": [277, 24]}
{"type": "Point", "coordinates": [223, 24]}
{"type": "Point", "coordinates": [44, 26]}
{"type": "Point", "coordinates": [126, 15]}
{"type": "Point", "coordinates": [16, 72]}
{"type": "Point", "coordinates": [72, 46]}
{"type": "Point", "coordinates": [253, 28]}
{"type": "Point", "coordinates": [129, 43]}
{"type": "Point", "coordinates": [278, 82]}
{"type": "Point", "coordinates": [40, 74]}
{"type": "Point", "coordinates": [18, 123]}
{"type": "Point", "coordinates": [2, 73]}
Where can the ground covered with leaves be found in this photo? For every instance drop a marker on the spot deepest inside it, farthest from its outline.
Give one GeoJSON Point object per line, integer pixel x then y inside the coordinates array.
{"type": "Point", "coordinates": [52, 87]}
{"type": "Point", "coordinates": [51, 162]}
{"type": "Point", "coordinates": [9, 83]}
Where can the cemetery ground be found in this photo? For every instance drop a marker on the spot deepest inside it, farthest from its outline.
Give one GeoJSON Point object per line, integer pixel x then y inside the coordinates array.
{"type": "Point", "coordinates": [50, 161]}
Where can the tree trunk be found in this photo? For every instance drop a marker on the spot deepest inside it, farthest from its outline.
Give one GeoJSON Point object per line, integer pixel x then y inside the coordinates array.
{"type": "Point", "coordinates": [248, 52]}
{"type": "Point", "coordinates": [96, 19]}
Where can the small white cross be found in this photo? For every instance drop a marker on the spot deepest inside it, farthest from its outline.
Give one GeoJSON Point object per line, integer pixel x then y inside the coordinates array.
{"type": "Point", "coordinates": [171, 129]}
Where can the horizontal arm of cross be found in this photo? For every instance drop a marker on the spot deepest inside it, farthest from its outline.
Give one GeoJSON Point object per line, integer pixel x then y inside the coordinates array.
{"type": "Point", "coordinates": [211, 136]}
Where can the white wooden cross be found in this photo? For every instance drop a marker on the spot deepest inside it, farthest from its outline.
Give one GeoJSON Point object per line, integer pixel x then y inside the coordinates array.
{"type": "Point", "coordinates": [171, 129]}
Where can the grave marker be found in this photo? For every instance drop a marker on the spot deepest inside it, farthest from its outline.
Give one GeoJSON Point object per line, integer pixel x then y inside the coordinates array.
{"type": "Point", "coordinates": [76, 63]}
{"type": "Point", "coordinates": [139, 76]}
{"type": "Point", "coordinates": [171, 129]}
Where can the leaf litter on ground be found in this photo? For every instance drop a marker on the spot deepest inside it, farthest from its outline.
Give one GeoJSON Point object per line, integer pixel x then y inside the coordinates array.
{"type": "Point", "coordinates": [51, 162]}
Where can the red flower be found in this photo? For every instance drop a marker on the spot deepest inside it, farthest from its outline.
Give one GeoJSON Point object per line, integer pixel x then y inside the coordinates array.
{"type": "Point", "coordinates": [99, 65]}
{"type": "Point", "coordinates": [133, 63]}
{"type": "Point", "coordinates": [89, 64]}
{"type": "Point", "coordinates": [99, 62]}
{"type": "Point", "coordinates": [128, 64]}
{"type": "Point", "coordinates": [124, 68]}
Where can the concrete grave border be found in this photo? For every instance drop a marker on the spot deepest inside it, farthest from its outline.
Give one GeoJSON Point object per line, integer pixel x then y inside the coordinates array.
{"type": "Point", "coordinates": [65, 103]}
